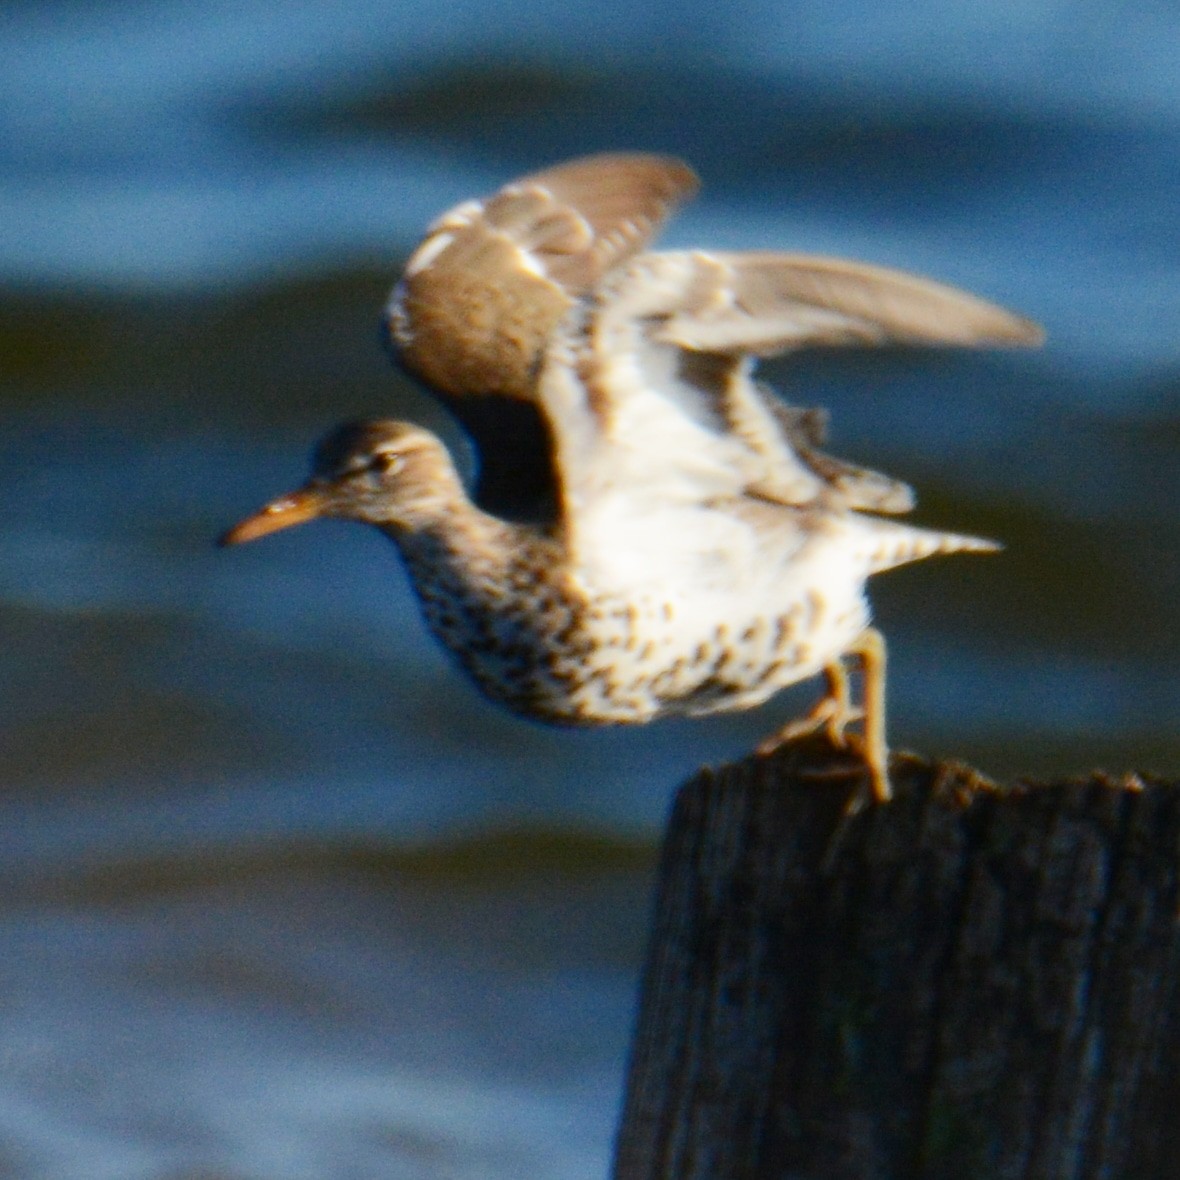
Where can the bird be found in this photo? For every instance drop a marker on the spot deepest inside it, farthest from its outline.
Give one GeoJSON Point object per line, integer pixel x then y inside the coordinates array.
{"type": "Point", "coordinates": [695, 550]}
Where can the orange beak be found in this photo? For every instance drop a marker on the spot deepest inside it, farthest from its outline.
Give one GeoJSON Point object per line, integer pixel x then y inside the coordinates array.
{"type": "Point", "coordinates": [298, 507]}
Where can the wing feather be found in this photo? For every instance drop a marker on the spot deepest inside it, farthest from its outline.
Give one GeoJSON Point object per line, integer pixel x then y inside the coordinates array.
{"type": "Point", "coordinates": [483, 294]}
{"type": "Point", "coordinates": [763, 304]}
{"type": "Point", "coordinates": [586, 216]}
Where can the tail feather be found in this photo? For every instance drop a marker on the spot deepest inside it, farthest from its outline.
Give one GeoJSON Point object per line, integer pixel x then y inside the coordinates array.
{"type": "Point", "coordinates": [890, 544]}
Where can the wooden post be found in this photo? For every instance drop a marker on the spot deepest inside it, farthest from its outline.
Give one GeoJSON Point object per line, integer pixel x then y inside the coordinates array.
{"type": "Point", "coordinates": [967, 982]}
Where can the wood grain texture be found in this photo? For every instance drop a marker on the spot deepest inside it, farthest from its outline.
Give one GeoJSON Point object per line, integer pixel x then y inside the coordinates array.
{"type": "Point", "coordinates": [969, 981]}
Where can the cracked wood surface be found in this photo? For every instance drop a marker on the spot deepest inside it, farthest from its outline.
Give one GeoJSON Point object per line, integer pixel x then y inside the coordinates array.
{"type": "Point", "coordinates": [970, 981]}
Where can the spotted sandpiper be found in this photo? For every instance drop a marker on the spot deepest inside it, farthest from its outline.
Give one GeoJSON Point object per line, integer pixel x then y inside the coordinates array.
{"type": "Point", "coordinates": [647, 609]}
{"type": "Point", "coordinates": [704, 553]}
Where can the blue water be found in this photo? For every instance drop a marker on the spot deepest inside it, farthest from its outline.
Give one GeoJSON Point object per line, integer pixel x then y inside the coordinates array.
{"type": "Point", "coordinates": [262, 918]}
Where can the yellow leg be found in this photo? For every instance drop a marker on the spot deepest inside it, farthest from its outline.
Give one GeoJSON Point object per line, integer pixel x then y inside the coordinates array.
{"type": "Point", "coordinates": [870, 646]}
{"type": "Point", "coordinates": [835, 711]}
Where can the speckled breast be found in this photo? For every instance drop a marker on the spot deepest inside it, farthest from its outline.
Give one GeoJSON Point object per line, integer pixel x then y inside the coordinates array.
{"type": "Point", "coordinates": [536, 646]}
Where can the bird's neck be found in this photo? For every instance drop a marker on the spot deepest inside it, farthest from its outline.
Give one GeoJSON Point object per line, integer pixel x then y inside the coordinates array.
{"type": "Point", "coordinates": [444, 535]}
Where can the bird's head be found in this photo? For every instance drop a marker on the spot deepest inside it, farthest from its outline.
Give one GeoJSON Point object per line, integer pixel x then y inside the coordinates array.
{"type": "Point", "coordinates": [384, 473]}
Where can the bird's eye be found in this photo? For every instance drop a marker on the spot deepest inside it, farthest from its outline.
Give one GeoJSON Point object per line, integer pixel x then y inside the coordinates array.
{"type": "Point", "coordinates": [386, 462]}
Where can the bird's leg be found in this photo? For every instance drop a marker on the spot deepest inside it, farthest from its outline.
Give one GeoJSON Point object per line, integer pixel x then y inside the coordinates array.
{"type": "Point", "coordinates": [835, 712]}
{"type": "Point", "coordinates": [870, 646]}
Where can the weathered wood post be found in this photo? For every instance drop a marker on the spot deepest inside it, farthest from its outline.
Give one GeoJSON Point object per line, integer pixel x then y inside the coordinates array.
{"type": "Point", "coordinates": [968, 982]}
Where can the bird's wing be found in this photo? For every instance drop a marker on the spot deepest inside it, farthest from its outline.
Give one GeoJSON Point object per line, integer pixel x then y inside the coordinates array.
{"type": "Point", "coordinates": [657, 349]}
{"type": "Point", "coordinates": [850, 484]}
{"type": "Point", "coordinates": [763, 304]}
{"type": "Point", "coordinates": [580, 219]}
{"type": "Point", "coordinates": [664, 394]}
{"type": "Point", "coordinates": [482, 295]}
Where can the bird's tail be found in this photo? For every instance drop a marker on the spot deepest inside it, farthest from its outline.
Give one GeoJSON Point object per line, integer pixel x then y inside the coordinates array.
{"type": "Point", "coordinates": [890, 544]}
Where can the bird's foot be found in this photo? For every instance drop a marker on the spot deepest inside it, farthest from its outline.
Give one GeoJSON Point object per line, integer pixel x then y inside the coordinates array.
{"type": "Point", "coordinates": [829, 718]}
{"type": "Point", "coordinates": [832, 715]}
{"type": "Point", "coordinates": [835, 712]}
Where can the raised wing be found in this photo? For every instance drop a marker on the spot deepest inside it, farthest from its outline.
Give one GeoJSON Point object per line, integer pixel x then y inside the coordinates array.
{"type": "Point", "coordinates": [484, 292]}
{"type": "Point", "coordinates": [579, 363]}
{"type": "Point", "coordinates": [686, 428]}
{"type": "Point", "coordinates": [582, 218]}
{"type": "Point", "coordinates": [664, 361]}
{"type": "Point", "coordinates": [764, 304]}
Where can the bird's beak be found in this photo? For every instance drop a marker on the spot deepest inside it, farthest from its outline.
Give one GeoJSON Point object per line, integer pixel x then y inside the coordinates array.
{"type": "Point", "coordinates": [298, 507]}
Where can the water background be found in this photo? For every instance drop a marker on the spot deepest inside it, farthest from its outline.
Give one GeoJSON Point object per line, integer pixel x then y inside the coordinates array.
{"type": "Point", "coordinates": [282, 898]}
